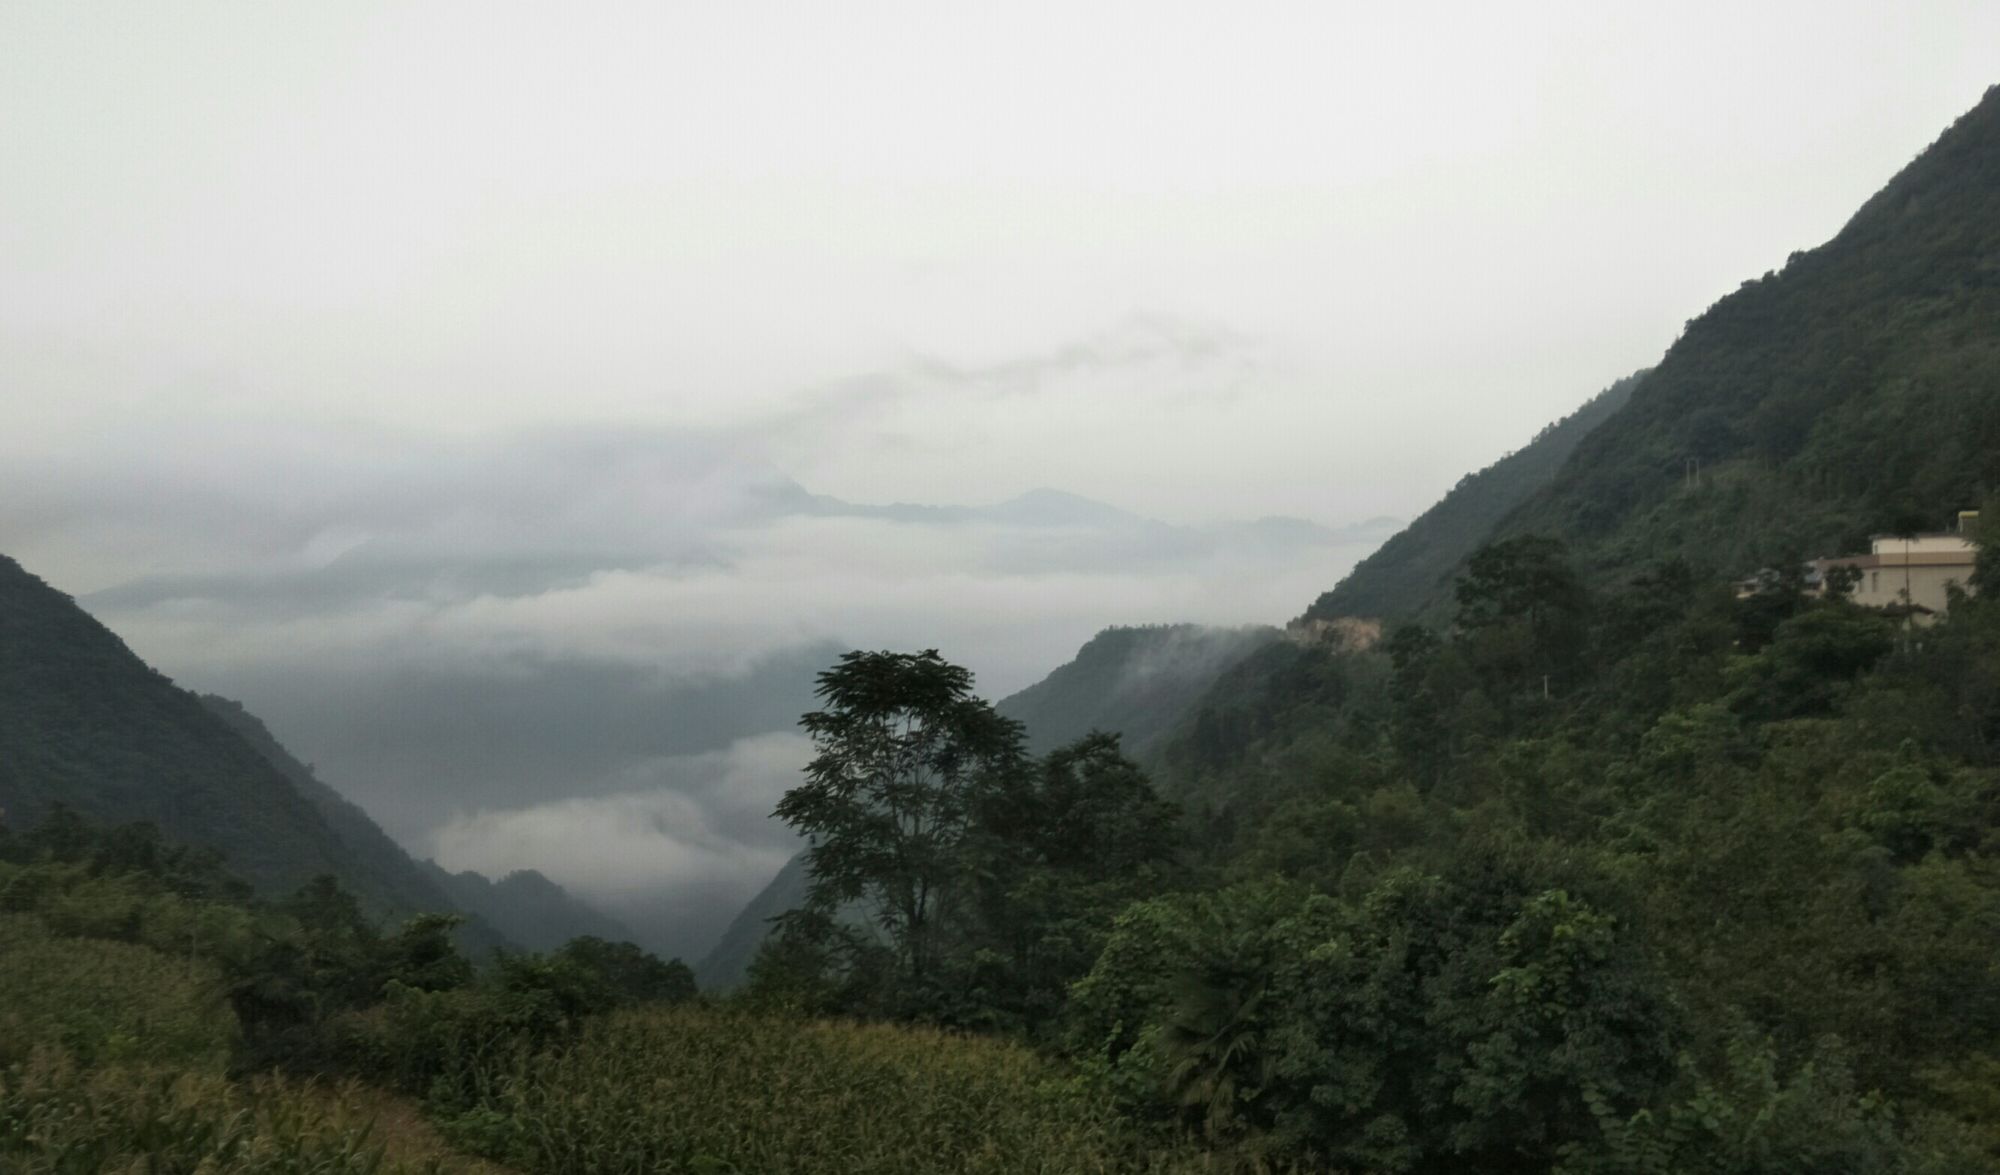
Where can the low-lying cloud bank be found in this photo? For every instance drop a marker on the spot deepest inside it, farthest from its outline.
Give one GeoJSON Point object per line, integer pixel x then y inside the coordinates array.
{"type": "Point", "coordinates": [674, 857]}
{"type": "Point", "coordinates": [577, 646]}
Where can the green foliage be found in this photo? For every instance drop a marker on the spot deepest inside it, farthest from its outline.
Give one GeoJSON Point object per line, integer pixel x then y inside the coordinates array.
{"type": "Point", "coordinates": [627, 974]}
{"type": "Point", "coordinates": [994, 880]}
{"type": "Point", "coordinates": [1754, 1117]}
{"type": "Point", "coordinates": [904, 748]}
{"type": "Point", "coordinates": [1438, 1023]}
{"type": "Point", "coordinates": [1809, 661]}
{"type": "Point", "coordinates": [443, 1042]}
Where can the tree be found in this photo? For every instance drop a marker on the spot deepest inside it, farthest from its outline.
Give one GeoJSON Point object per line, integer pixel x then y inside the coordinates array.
{"type": "Point", "coordinates": [1057, 852]}
{"type": "Point", "coordinates": [1521, 612]}
{"type": "Point", "coordinates": [630, 975]}
{"type": "Point", "coordinates": [904, 749]}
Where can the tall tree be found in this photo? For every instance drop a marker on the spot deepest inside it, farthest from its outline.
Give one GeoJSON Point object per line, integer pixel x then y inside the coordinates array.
{"type": "Point", "coordinates": [904, 748]}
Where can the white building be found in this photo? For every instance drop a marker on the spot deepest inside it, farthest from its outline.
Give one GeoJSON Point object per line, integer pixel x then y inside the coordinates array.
{"type": "Point", "coordinates": [1912, 573]}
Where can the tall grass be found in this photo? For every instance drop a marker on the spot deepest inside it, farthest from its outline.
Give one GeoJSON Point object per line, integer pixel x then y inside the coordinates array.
{"type": "Point", "coordinates": [712, 1091]}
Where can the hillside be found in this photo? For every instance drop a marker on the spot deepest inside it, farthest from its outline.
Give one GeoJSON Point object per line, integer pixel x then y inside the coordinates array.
{"type": "Point", "coordinates": [416, 890]}
{"type": "Point", "coordinates": [1856, 391]}
{"type": "Point", "coordinates": [86, 723]}
{"type": "Point", "coordinates": [1411, 573]}
{"type": "Point", "coordinates": [728, 963]}
{"type": "Point", "coordinates": [1135, 681]}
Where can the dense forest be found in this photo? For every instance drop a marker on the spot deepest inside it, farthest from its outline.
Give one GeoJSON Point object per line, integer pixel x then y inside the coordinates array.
{"type": "Point", "coordinates": [1592, 863]}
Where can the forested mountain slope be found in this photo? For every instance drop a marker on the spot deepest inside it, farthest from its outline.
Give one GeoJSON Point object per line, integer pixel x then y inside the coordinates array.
{"type": "Point", "coordinates": [1411, 573]}
{"type": "Point", "coordinates": [416, 887]}
{"type": "Point", "coordinates": [84, 722]}
{"type": "Point", "coordinates": [1856, 391]}
{"type": "Point", "coordinates": [1137, 682]}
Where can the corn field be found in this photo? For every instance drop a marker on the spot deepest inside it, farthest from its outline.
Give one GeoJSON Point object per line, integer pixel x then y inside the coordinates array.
{"type": "Point", "coordinates": [721, 1092]}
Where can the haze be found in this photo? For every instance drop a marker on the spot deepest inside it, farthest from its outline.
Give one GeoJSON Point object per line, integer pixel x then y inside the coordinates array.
{"type": "Point", "coordinates": [499, 399]}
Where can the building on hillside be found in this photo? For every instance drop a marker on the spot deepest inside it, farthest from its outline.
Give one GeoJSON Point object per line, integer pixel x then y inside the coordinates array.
{"type": "Point", "coordinates": [1911, 574]}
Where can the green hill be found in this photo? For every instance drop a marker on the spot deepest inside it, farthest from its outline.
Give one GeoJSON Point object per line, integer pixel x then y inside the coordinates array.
{"type": "Point", "coordinates": [1135, 681]}
{"type": "Point", "coordinates": [1855, 391]}
{"type": "Point", "coordinates": [1411, 573]}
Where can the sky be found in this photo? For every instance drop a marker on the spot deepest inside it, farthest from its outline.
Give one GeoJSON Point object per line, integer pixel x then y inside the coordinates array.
{"type": "Point", "coordinates": [457, 384]}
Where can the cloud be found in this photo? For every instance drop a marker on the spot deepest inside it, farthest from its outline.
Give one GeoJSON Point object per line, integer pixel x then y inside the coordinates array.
{"type": "Point", "coordinates": [505, 634]}
{"type": "Point", "coordinates": [675, 856]}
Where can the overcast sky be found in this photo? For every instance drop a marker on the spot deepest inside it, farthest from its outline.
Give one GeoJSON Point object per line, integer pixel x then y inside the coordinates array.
{"type": "Point", "coordinates": [468, 337]}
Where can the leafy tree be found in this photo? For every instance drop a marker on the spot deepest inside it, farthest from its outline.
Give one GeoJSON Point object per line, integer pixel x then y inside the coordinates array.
{"type": "Point", "coordinates": [1058, 852]}
{"type": "Point", "coordinates": [1521, 612]}
{"type": "Point", "coordinates": [904, 751]}
{"type": "Point", "coordinates": [630, 975]}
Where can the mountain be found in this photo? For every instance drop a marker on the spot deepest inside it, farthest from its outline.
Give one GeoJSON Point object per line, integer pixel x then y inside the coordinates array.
{"type": "Point", "coordinates": [1857, 391]}
{"type": "Point", "coordinates": [527, 907]}
{"type": "Point", "coordinates": [1852, 392]}
{"type": "Point", "coordinates": [1137, 682]}
{"type": "Point", "coordinates": [1106, 533]}
{"type": "Point", "coordinates": [84, 722]}
{"type": "Point", "coordinates": [728, 963]}
{"type": "Point", "coordinates": [1411, 573]}
{"type": "Point", "coordinates": [371, 849]}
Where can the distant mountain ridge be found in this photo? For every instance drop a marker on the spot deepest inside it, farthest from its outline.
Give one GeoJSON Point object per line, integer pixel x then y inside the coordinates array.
{"type": "Point", "coordinates": [527, 907]}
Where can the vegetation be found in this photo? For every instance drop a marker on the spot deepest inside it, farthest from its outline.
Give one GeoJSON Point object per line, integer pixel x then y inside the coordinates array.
{"type": "Point", "coordinates": [1137, 682]}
